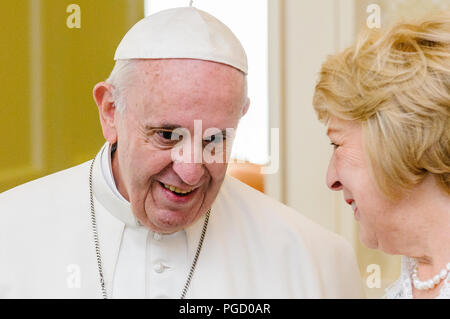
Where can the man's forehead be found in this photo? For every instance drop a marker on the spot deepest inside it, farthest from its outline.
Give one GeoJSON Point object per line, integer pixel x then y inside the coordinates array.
{"type": "Point", "coordinates": [179, 65]}
{"type": "Point", "coordinates": [177, 97]}
{"type": "Point", "coordinates": [182, 78]}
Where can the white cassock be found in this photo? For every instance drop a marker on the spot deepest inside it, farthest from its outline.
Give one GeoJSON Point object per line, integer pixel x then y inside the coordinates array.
{"type": "Point", "coordinates": [254, 246]}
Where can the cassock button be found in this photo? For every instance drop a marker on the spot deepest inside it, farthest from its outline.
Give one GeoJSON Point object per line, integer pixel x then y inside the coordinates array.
{"type": "Point", "coordinates": [158, 268]}
{"type": "Point", "coordinates": [157, 236]}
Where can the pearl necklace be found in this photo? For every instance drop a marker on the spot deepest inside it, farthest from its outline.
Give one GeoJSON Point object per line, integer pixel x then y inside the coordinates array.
{"type": "Point", "coordinates": [431, 283]}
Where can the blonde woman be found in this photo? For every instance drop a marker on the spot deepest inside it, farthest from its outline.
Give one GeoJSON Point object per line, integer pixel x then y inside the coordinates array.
{"type": "Point", "coordinates": [386, 103]}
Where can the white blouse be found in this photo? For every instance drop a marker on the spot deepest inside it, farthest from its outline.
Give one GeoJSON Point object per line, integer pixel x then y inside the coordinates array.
{"type": "Point", "coordinates": [402, 287]}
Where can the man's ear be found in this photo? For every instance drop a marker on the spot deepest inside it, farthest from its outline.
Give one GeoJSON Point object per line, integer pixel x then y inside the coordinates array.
{"type": "Point", "coordinates": [106, 110]}
{"type": "Point", "coordinates": [245, 108]}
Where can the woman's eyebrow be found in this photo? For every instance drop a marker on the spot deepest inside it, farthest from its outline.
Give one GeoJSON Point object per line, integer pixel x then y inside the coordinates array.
{"type": "Point", "coordinates": [333, 130]}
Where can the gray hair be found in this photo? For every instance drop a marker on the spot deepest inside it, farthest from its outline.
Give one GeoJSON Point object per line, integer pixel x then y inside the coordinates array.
{"type": "Point", "coordinates": [121, 78]}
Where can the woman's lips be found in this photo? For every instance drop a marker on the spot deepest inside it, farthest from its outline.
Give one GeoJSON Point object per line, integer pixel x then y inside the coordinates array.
{"type": "Point", "coordinates": [352, 203]}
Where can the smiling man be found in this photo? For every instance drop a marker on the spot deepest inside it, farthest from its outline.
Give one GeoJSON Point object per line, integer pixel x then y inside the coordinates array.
{"type": "Point", "coordinates": [152, 216]}
{"type": "Point", "coordinates": [161, 96]}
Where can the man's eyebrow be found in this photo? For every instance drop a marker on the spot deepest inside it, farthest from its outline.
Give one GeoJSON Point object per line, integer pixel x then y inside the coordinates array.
{"type": "Point", "coordinates": [167, 126]}
{"type": "Point", "coordinates": [164, 126]}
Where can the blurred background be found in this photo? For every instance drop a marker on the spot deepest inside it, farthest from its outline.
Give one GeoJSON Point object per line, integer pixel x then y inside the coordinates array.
{"type": "Point", "coordinates": [55, 51]}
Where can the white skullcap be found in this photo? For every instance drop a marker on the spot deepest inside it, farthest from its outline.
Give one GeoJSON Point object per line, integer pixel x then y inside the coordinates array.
{"type": "Point", "coordinates": [182, 33]}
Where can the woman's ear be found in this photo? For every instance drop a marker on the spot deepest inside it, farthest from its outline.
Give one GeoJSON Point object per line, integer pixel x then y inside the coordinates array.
{"type": "Point", "coordinates": [106, 109]}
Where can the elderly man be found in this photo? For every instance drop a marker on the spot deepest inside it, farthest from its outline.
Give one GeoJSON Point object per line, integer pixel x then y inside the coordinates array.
{"type": "Point", "coordinates": [140, 222]}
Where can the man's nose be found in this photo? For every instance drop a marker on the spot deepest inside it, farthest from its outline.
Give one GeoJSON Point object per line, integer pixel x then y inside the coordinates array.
{"type": "Point", "coordinates": [333, 182]}
{"type": "Point", "coordinates": [190, 173]}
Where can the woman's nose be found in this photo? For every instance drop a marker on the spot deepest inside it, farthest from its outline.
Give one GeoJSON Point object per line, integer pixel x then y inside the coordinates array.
{"type": "Point", "coordinates": [333, 182]}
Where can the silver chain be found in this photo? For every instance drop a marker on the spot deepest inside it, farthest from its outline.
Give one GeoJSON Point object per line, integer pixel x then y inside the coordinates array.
{"type": "Point", "coordinates": [95, 232]}
{"type": "Point", "coordinates": [97, 244]}
{"type": "Point", "coordinates": [197, 253]}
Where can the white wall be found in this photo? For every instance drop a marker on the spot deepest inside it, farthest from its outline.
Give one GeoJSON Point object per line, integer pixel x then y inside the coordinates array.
{"type": "Point", "coordinates": [301, 35]}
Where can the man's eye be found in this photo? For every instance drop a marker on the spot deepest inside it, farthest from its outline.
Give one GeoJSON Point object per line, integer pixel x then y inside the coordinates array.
{"type": "Point", "coordinates": [216, 138]}
{"type": "Point", "coordinates": [168, 135]}
{"type": "Point", "coordinates": [165, 134]}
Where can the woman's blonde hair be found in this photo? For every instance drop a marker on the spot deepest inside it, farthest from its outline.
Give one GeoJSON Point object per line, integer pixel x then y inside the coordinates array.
{"type": "Point", "coordinates": [397, 84]}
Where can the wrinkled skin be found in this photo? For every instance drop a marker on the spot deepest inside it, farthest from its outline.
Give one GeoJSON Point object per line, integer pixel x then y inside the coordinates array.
{"type": "Point", "coordinates": [166, 94]}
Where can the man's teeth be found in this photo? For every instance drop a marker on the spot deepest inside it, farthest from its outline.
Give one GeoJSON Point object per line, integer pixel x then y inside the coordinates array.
{"type": "Point", "coordinates": [354, 205]}
{"type": "Point", "coordinates": [177, 190]}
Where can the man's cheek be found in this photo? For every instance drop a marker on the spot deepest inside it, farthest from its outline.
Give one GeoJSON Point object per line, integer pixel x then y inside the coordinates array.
{"type": "Point", "coordinates": [217, 170]}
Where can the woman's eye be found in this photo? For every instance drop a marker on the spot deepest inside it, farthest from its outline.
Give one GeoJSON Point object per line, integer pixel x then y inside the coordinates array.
{"type": "Point", "coordinates": [335, 146]}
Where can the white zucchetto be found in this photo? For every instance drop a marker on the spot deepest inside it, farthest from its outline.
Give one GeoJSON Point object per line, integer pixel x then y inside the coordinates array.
{"type": "Point", "coordinates": [185, 32]}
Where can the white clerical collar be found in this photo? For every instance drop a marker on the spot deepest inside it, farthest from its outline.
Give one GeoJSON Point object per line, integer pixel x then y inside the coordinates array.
{"type": "Point", "coordinates": [106, 166]}
{"type": "Point", "coordinates": [105, 189]}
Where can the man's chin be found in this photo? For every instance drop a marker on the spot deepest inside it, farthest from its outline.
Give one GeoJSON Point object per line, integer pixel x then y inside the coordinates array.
{"type": "Point", "coordinates": [168, 221]}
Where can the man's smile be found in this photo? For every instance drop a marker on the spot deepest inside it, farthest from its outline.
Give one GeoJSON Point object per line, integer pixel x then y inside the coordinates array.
{"type": "Point", "coordinates": [177, 195]}
{"type": "Point", "coordinates": [178, 191]}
